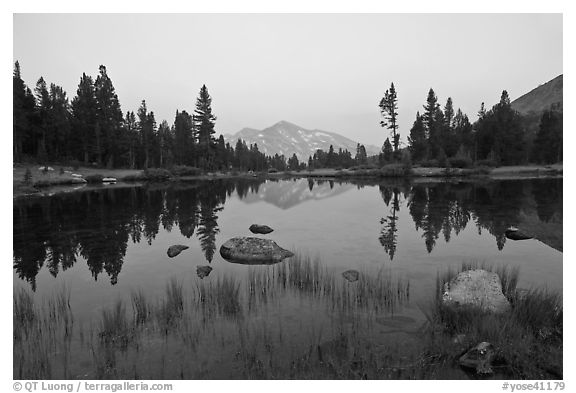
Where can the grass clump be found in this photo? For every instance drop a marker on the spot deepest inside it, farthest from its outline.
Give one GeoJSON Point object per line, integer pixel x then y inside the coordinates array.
{"type": "Point", "coordinates": [141, 307]}
{"type": "Point", "coordinates": [24, 314]}
{"type": "Point", "coordinates": [172, 306]}
{"type": "Point", "coordinates": [221, 296]}
{"type": "Point", "coordinates": [114, 326]}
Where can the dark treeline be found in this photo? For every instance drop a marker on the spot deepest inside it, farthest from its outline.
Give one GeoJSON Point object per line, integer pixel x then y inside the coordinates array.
{"type": "Point", "coordinates": [92, 129]}
{"type": "Point", "coordinates": [56, 231]}
{"type": "Point", "coordinates": [446, 137]}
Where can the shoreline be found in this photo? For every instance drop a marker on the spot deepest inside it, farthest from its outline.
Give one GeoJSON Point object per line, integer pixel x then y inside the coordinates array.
{"type": "Point", "coordinates": [48, 184]}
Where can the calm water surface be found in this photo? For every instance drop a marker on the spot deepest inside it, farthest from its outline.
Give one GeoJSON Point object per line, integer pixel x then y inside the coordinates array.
{"type": "Point", "coordinates": [104, 243]}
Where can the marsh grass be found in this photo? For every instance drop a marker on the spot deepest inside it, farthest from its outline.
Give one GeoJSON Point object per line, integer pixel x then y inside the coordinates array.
{"type": "Point", "coordinates": [331, 333]}
{"type": "Point", "coordinates": [141, 307]}
{"type": "Point", "coordinates": [219, 296]}
{"type": "Point", "coordinates": [171, 307]}
{"type": "Point", "coordinates": [115, 327]}
{"type": "Point", "coordinates": [40, 331]}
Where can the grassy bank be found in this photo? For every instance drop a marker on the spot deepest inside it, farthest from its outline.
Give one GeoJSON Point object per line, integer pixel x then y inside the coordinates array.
{"type": "Point", "coordinates": [294, 320]}
{"type": "Point", "coordinates": [38, 179]}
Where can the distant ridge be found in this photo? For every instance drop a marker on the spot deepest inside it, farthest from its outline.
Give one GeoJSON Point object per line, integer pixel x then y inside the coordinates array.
{"type": "Point", "coordinates": [288, 138]}
{"type": "Point", "coordinates": [541, 98]}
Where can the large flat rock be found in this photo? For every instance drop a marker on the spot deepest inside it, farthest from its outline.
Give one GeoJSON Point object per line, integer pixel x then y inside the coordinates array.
{"type": "Point", "coordinates": [478, 288]}
{"type": "Point", "coordinates": [253, 250]}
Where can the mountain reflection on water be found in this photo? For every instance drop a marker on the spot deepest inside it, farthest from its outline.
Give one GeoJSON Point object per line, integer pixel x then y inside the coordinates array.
{"type": "Point", "coordinates": [98, 224]}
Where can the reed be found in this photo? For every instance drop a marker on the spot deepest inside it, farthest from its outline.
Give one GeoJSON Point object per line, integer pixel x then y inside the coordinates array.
{"type": "Point", "coordinates": [141, 307]}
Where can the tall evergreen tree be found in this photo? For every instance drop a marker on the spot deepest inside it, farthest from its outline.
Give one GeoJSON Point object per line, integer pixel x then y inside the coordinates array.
{"type": "Point", "coordinates": [204, 122]}
{"type": "Point", "coordinates": [42, 117]}
{"type": "Point", "coordinates": [431, 119]}
{"type": "Point", "coordinates": [388, 109]}
{"type": "Point", "coordinates": [109, 118]}
{"type": "Point", "coordinates": [84, 114]}
{"type": "Point", "coordinates": [22, 115]}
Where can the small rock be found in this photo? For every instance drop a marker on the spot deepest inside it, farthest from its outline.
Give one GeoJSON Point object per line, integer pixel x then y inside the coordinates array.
{"type": "Point", "coordinates": [261, 229]}
{"type": "Point", "coordinates": [479, 358]}
{"type": "Point", "coordinates": [478, 288]}
{"type": "Point", "coordinates": [175, 250]}
{"type": "Point", "coordinates": [351, 275]}
{"type": "Point", "coordinates": [253, 250]}
{"type": "Point", "coordinates": [516, 234]}
{"type": "Point", "coordinates": [203, 271]}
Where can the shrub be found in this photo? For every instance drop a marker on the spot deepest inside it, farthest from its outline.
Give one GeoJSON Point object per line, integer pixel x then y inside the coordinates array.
{"type": "Point", "coordinates": [94, 179]}
{"type": "Point", "coordinates": [185, 170]}
{"type": "Point", "coordinates": [460, 162]}
{"type": "Point", "coordinates": [487, 162]}
{"type": "Point", "coordinates": [395, 170]}
{"type": "Point", "coordinates": [157, 174]}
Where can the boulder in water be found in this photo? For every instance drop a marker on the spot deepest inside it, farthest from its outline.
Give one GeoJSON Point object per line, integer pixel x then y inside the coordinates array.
{"type": "Point", "coordinates": [351, 275]}
{"type": "Point", "coordinates": [261, 229]}
{"type": "Point", "coordinates": [175, 250]}
{"type": "Point", "coordinates": [477, 288]}
{"type": "Point", "coordinates": [253, 250]}
{"type": "Point", "coordinates": [203, 271]}
{"type": "Point", "coordinates": [479, 358]}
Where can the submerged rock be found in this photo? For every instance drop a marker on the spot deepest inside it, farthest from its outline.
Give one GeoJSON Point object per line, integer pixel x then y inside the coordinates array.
{"type": "Point", "coordinates": [203, 271]}
{"type": "Point", "coordinates": [351, 275]}
{"type": "Point", "coordinates": [516, 234]}
{"type": "Point", "coordinates": [175, 250]}
{"type": "Point", "coordinates": [479, 358]}
{"type": "Point", "coordinates": [253, 250]}
{"type": "Point", "coordinates": [261, 229]}
{"type": "Point", "coordinates": [478, 288]}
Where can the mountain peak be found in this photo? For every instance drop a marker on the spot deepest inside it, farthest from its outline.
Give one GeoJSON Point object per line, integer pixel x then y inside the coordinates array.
{"type": "Point", "coordinates": [284, 123]}
{"type": "Point", "coordinates": [285, 138]}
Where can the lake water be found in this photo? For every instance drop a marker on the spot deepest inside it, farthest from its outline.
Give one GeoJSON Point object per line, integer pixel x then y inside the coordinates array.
{"type": "Point", "coordinates": [104, 243]}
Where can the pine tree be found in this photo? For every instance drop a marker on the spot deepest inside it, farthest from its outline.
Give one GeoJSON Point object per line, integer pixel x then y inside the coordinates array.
{"type": "Point", "coordinates": [388, 109]}
{"type": "Point", "coordinates": [84, 114]}
{"type": "Point", "coordinates": [449, 112]}
{"type": "Point", "coordinates": [204, 122]}
{"type": "Point", "coordinates": [109, 118]}
{"type": "Point", "coordinates": [145, 134]}
{"type": "Point", "coordinates": [43, 117]}
{"type": "Point", "coordinates": [165, 144]}
{"type": "Point", "coordinates": [23, 115]}
{"type": "Point", "coordinates": [417, 140]}
{"type": "Point", "coordinates": [387, 151]}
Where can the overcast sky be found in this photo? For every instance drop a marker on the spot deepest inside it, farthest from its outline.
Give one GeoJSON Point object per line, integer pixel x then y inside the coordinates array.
{"type": "Point", "coordinates": [318, 71]}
